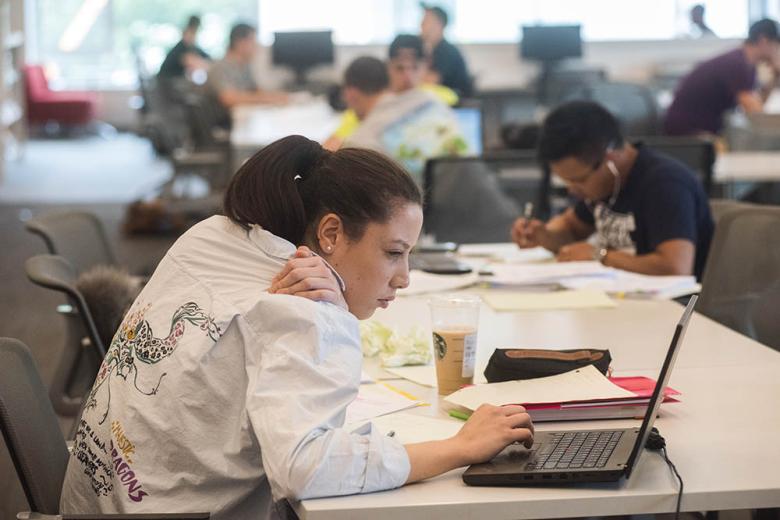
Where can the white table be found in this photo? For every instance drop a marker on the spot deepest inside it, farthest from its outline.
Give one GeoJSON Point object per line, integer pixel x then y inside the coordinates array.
{"type": "Point", "coordinates": [757, 166]}
{"type": "Point", "coordinates": [255, 126]}
{"type": "Point", "coordinates": [723, 436]}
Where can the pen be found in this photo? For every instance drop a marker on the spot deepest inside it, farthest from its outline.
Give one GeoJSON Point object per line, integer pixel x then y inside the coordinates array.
{"type": "Point", "coordinates": [528, 210]}
{"type": "Point", "coordinates": [463, 416]}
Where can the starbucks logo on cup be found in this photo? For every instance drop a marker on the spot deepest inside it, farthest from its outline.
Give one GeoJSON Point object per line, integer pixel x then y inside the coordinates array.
{"type": "Point", "coordinates": [440, 346]}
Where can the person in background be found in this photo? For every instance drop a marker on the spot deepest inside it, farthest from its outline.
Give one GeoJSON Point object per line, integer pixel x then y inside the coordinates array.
{"type": "Point", "coordinates": [241, 408]}
{"type": "Point", "coordinates": [722, 83]}
{"type": "Point", "coordinates": [404, 71]}
{"type": "Point", "coordinates": [699, 27]}
{"type": "Point", "coordinates": [446, 64]}
{"type": "Point", "coordinates": [637, 210]}
{"type": "Point", "coordinates": [185, 57]}
{"type": "Point", "coordinates": [406, 123]}
{"type": "Point", "coordinates": [407, 68]}
{"type": "Point", "coordinates": [230, 81]}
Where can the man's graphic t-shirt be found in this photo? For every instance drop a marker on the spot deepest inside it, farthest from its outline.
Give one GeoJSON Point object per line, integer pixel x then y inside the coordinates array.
{"type": "Point", "coordinates": [661, 200]}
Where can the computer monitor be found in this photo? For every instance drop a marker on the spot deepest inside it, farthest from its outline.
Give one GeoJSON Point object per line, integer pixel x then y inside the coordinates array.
{"type": "Point", "coordinates": [470, 121]}
{"type": "Point", "coordinates": [302, 50]}
{"type": "Point", "coordinates": [549, 43]}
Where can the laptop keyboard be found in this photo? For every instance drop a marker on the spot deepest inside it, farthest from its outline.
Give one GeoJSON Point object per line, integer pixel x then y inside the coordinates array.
{"type": "Point", "coordinates": [572, 450]}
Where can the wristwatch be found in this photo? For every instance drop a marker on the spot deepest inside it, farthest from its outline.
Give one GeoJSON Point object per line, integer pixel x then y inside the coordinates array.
{"type": "Point", "coordinates": [600, 254]}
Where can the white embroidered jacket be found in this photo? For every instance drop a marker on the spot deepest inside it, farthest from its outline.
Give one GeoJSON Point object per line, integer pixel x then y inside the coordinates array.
{"type": "Point", "coordinates": [216, 396]}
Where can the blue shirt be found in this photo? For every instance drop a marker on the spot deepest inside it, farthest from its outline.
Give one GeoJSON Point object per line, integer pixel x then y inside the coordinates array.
{"type": "Point", "coordinates": [661, 200]}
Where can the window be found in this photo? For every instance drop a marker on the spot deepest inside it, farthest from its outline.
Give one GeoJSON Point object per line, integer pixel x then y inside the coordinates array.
{"type": "Point", "coordinates": [600, 19]}
{"type": "Point", "coordinates": [499, 21]}
{"type": "Point", "coordinates": [95, 43]}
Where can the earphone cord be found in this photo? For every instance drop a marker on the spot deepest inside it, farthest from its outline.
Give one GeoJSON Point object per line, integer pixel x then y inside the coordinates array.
{"type": "Point", "coordinates": [615, 187]}
{"type": "Point", "coordinates": [679, 478]}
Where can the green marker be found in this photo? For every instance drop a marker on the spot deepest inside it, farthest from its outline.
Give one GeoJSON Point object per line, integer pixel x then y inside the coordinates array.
{"type": "Point", "coordinates": [463, 416]}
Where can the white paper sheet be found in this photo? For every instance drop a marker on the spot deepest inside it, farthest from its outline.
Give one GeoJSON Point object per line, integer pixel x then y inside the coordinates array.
{"type": "Point", "coordinates": [549, 273]}
{"type": "Point", "coordinates": [421, 374]}
{"type": "Point", "coordinates": [374, 400]}
{"type": "Point", "coordinates": [583, 384]}
{"type": "Point", "coordinates": [421, 282]}
{"type": "Point", "coordinates": [551, 300]}
{"type": "Point", "coordinates": [636, 285]}
{"type": "Point", "coordinates": [506, 253]}
{"type": "Point", "coordinates": [409, 428]}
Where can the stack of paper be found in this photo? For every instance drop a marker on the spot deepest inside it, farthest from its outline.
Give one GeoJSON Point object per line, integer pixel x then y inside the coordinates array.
{"type": "Point", "coordinates": [543, 274]}
{"type": "Point", "coordinates": [584, 393]}
{"type": "Point", "coordinates": [635, 285]}
{"type": "Point", "coordinates": [506, 253]}
{"type": "Point", "coordinates": [589, 275]}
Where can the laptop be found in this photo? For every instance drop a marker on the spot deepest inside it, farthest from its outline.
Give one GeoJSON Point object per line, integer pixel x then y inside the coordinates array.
{"type": "Point", "coordinates": [559, 457]}
{"type": "Point", "coordinates": [437, 263]}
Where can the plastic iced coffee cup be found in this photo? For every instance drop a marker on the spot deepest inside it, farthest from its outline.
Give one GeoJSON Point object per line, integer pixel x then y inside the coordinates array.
{"type": "Point", "coordinates": [454, 319]}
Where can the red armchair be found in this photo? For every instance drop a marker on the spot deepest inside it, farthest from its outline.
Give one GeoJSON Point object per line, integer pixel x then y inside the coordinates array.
{"type": "Point", "coordinates": [44, 105]}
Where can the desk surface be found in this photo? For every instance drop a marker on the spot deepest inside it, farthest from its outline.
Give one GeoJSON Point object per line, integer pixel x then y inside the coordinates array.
{"type": "Point", "coordinates": [722, 436]}
{"type": "Point", "coordinates": [255, 126]}
{"type": "Point", "coordinates": [757, 166]}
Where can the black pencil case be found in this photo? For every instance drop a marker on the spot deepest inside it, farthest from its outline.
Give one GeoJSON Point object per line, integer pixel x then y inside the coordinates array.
{"type": "Point", "coordinates": [526, 363]}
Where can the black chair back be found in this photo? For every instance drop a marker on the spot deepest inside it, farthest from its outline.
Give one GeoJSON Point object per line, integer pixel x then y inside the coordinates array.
{"type": "Point", "coordinates": [78, 236]}
{"type": "Point", "coordinates": [698, 153]}
{"type": "Point", "coordinates": [476, 199]}
{"type": "Point", "coordinates": [30, 428]}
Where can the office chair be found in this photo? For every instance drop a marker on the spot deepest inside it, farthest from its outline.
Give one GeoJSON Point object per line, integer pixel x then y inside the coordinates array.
{"type": "Point", "coordinates": [698, 153]}
{"type": "Point", "coordinates": [77, 236]}
{"type": "Point", "coordinates": [633, 105]}
{"type": "Point", "coordinates": [558, 83]}
{"type": "Point", "coordinates": [83, 350]}
{"type": "Point", "coordinates": [741, 281]}
{"type": "Point", "coordinates": [32, 434]}
{"type": "Point", "coordinates": [720, 207]}
{"type": "Point", "coordinates": [477, 199]}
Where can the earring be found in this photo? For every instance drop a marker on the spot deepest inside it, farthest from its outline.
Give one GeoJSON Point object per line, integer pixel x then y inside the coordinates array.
{"type": "Point", "coordinates": [328, 249]}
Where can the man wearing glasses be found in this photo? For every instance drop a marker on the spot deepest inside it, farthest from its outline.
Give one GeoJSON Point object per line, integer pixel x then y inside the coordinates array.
{"type": "Point", "coordinates": [636, 209]}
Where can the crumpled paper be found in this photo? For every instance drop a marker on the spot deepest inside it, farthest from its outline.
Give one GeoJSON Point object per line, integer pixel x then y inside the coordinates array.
{"type": "Point", "coordinates": [394, 348]}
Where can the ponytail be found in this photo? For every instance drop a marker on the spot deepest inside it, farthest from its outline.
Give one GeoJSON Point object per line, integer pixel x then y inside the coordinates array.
{"type": "Point", "coordinates": [290, 184]}
{"type": "Point", "coordinates": [264, 190]}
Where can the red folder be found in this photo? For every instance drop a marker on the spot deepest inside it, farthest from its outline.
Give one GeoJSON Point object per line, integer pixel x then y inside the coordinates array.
{"type": "Point", "coordinates": [622, 408]}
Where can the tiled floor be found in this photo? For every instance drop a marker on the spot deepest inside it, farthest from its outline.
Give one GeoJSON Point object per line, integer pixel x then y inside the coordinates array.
{"type": "Point", "coordinates": [87, 169]}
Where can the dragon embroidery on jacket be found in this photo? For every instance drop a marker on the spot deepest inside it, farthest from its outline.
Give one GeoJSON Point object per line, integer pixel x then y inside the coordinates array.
{"type": "Point", "coordinates": [134, 342]}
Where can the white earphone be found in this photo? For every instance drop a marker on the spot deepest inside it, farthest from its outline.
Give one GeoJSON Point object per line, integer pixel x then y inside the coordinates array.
{"type": "Point", "coordinates": [612, 168]}
{"type": "Point", "coordinates": [616, 184]}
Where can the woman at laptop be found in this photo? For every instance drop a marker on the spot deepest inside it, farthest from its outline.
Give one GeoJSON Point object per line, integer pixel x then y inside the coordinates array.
{"type": "Point", "coordinates": [218, 395]}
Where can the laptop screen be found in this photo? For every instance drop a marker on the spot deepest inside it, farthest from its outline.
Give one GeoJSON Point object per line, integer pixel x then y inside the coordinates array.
{"type": "Point", "coordinates": [431, 130]}
{"type": "Point", "coordinates": [663, 379]}
{"type": "Point", "coordinates": [470, 120]}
